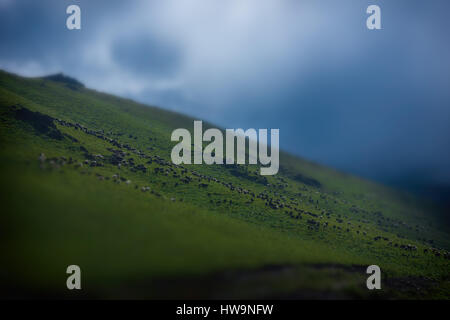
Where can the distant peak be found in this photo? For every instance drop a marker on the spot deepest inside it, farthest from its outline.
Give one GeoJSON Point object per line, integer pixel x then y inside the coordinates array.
{"type": "Point", "coordinates": [69, 81]}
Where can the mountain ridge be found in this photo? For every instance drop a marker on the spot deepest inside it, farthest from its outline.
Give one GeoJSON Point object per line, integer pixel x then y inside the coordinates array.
{"type": "Point", "coordinates": [311, 214]}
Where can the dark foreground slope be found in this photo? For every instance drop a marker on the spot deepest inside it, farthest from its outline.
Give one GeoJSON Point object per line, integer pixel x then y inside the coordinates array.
{"type": "Point", "coordinates": [87, 180]}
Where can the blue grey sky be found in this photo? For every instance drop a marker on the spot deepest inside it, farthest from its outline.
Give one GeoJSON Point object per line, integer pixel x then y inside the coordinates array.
{"type": "Point", "coordinates": [373, 103]}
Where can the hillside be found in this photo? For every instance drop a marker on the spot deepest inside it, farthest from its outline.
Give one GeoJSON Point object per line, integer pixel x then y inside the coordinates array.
{"type": "Point", "coordinates": [87, 180]}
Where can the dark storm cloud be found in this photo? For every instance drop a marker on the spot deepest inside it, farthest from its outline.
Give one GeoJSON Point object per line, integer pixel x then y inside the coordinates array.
{"type": "Point", "coordinates": [374, 103]}
{"type": "Point", "coordinates": [29, 29]}
{"type": "Point", "coordinates": [147, 55]}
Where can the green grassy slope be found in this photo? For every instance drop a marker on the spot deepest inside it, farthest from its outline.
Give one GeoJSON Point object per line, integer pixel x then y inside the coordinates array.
{"type": "Point", "coordinates": [136, 227]}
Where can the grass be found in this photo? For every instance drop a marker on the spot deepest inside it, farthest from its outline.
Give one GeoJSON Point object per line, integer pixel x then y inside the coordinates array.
{"type": "Point", "coordinates": [60, 214]}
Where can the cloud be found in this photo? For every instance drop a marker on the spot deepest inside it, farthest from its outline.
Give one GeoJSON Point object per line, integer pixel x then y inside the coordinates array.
{"type": "Point", "coordinates": [147, 56]}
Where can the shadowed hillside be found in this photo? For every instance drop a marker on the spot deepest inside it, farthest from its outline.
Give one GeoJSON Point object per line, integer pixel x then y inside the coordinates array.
{"type": "Point", "coordinates": [87, 180]}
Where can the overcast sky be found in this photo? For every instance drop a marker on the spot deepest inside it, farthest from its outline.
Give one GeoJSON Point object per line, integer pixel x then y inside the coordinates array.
{"type": "Point", "coordinates": [375, 103]}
